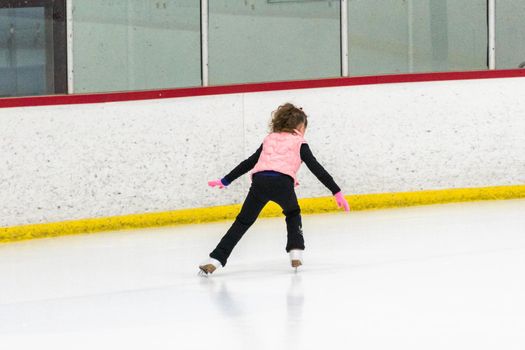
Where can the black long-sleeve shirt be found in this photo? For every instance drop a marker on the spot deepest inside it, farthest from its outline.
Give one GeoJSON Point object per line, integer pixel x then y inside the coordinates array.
{"type": "Point", "coordinates": [306, 156]}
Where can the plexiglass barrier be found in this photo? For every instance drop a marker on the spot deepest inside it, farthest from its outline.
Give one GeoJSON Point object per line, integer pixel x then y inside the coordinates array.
{"type": "Point", "coordinates": [124, 45]}
{"type": "Point", "coordinates": [32, 48]}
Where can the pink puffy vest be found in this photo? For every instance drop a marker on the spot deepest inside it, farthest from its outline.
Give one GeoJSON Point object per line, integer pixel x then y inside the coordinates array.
{"type": "Point", "coordinates": [281, 152]}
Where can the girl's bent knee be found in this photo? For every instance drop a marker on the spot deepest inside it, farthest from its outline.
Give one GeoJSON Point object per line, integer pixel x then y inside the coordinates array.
{"type": "Point", "coordinates": [292, 213]}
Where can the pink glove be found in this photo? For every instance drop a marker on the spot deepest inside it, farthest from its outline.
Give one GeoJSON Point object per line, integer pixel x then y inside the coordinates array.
{"type": "Point", "coordinates": [216, 183]}
{"type": "Point", "coordinates": [341, 201]}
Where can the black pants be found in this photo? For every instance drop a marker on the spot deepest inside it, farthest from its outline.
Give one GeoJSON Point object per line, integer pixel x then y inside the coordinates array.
{"type": "Point", "coordinates": [279, 189]}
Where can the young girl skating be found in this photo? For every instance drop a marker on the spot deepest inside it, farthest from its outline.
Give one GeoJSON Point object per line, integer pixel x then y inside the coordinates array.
{"type": "Point", "coordinates": [275, 165]}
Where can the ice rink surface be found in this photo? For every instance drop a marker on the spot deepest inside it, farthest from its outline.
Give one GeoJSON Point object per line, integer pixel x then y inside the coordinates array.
{"type": "Point", "coordinates": [436, 277]}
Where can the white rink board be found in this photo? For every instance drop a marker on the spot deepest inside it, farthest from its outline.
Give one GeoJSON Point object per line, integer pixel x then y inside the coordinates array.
{"type": "Point", "coordinates": [96, 160]}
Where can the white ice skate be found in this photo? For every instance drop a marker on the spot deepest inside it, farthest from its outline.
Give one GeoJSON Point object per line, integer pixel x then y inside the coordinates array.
{"type": "Point", "coordinates": [209, 266]}
{"type": "Point", "coordinates": [296, 258]}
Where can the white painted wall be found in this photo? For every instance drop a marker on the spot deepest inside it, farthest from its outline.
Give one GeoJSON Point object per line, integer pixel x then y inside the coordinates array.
{"type": "Point", "coordinates": [78, 161]}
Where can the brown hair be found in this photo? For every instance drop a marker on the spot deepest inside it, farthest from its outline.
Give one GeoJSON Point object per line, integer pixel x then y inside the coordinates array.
{"type": "Point", "coordinates": [287, 118]}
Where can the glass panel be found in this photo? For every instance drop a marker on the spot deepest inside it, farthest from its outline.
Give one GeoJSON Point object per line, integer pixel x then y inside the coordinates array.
{"type": "Point", "coordinates": [135, 44]}
{"type": "Point", "coordinates": [271, 40]}
{"type": "Point", "coordinates": [400, 36]}
{"type": "Point", "coordinates": [23, 49]}
{"type": "Point", "coordinates": [510, 34]}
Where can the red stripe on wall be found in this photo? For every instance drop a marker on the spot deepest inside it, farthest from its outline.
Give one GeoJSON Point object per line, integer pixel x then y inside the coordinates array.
{"type": "Point", "coordinates": [257, 87]}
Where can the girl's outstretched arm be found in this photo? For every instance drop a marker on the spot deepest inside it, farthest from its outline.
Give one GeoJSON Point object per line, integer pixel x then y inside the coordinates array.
{"type": "Point", "coordinates": [323, 176]}
{"type": "Point", "coordinates": [241, 169]}
{"type": "Point", "coordinates": [317, 169]}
